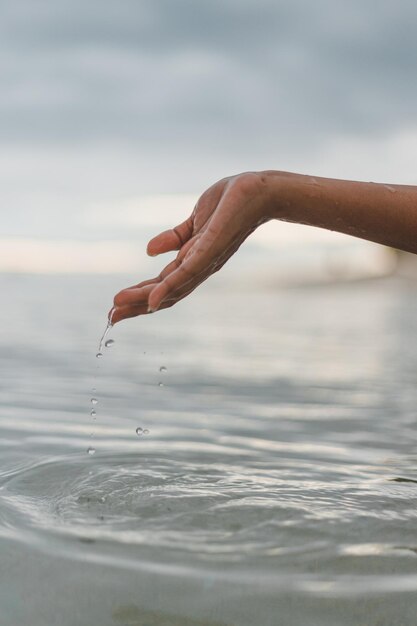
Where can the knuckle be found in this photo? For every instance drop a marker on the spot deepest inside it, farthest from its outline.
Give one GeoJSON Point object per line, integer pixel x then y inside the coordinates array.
{"type": "Point", "coordinates": [248, 183]}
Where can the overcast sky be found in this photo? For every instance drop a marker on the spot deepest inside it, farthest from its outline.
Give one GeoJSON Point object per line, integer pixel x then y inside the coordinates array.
{"type": "Point", "coordinates": [101, 101]}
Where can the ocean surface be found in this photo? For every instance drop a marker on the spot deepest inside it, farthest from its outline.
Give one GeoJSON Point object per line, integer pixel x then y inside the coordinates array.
{"type": "Point", "coordinates": [276, 482]}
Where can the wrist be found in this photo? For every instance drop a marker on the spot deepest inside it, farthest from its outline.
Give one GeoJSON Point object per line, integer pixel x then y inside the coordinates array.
{"type": "Point", "coordinates": [278, 187]}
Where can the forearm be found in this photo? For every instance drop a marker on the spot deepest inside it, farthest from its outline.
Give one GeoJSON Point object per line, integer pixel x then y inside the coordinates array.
{"type": "Point", "coordinates": [385, 214]}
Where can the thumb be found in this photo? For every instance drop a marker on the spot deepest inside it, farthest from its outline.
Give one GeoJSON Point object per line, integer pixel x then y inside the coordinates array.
{"type": "Point", "coordinates": [172, 239]}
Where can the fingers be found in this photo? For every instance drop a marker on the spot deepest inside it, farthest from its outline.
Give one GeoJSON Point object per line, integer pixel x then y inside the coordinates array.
{"type": "Point", "coordinates": [180, 278]}
{"type": "Point", "coordinates": [132, 301]}
{"type": "Point", "coordinates": [134, 295]}
{"type": "Point", "coordinates": [200, 247]}
{"type": "Point", "coordinates": [172, 239]}
{"type": "Point", "coordinates": [206, 255]}
{"type": "Point", "coordinates": [175, 238]}
{"type": "Point", "coordinates": [135, 309]}
{"type": "Point", "coordinates": [122, 313]}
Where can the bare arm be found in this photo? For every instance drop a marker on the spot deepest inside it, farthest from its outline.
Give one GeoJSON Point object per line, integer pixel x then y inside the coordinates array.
{"type": "Point", "coordinates": [234, 207]}
{"type": "Point", "coordinates": [385, 214]}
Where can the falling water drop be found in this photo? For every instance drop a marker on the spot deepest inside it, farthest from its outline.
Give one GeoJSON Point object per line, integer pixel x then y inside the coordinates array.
{"type": "Point", "coordinates": [93, 412]}
{"type": "Point", "coordinates": [91, 450]}
{"type": "Point", "coordinates": [94, 401]}
{"type": "Point", "coordinates": [141, 431]}
{"type": "Point", "coordinates": [106, 331]}
{"type": "Point", "coordinates": [109, 343]}
{"type": "Point", "coordinates": [162, 368]}
{"type": "Point", "coordinates": [99, 355]}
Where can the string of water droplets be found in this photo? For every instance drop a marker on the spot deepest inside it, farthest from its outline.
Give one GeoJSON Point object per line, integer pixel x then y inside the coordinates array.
{"type": "Point", "coordinates": [94, 401]}
{"type": "Point", "coordinates": [107, 343]}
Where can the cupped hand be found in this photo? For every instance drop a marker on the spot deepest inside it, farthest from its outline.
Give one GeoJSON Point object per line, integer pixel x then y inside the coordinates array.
{"type": "Point", "coordinates": [222, 219]}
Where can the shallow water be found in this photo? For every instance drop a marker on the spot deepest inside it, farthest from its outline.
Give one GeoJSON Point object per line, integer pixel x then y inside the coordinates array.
{"type": "Point", "coordinates": [277, 483]}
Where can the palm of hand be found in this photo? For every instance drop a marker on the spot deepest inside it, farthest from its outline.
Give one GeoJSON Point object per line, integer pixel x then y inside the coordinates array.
{"type": "Point", "coordinates": [222, 219]}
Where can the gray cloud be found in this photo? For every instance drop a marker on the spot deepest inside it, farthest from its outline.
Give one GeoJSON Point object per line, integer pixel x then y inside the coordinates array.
{"type": "Point", "coordinates": [235, 74]}
{"type": "Point", "coordinates": [101, 99]}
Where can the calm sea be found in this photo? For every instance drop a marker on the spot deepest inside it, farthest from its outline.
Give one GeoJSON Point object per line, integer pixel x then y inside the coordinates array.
{"type": "Point", "coordinates": [277, 484]}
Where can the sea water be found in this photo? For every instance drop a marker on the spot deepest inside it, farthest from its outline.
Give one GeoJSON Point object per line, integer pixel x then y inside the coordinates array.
{"type": "Point", "coordinates": [277, 483]}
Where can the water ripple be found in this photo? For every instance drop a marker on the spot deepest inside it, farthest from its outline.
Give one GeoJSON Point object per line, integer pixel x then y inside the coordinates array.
{"type": "Point", "coordinates": [204, 513]}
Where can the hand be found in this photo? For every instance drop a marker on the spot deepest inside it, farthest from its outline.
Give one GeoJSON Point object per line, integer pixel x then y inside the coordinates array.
{"type": "Point", "coordinates": [222, 219]}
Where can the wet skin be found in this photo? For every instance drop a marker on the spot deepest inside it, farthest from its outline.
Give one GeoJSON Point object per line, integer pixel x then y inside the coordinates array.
{"type": "Point", "coordinates": [229, 211]}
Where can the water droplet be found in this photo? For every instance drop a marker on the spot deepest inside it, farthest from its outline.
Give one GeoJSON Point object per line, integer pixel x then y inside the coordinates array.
{"type": "Point", "coordinates": [142, 431]}
{"type": "Point", "coordinates": [99, 355]}
{"type": "Point", "coordinates": [160, 384]}
{"type": "Point", "coordinates": [91, 450]}
{"type": "Point", "coordinates": [93, 412]}
{"type": "Point", "coordinates": [93, 400]}
{"type": "Point", "coordinates": [162, 368]}
{"type": "Point", "coordinates": [106, 332]}
{"type": "Point", "coordinates": [109, 343]}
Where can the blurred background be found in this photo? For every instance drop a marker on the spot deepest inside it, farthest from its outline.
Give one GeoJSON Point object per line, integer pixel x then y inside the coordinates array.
{"type": "Point", "coordinates": [115, 116]}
